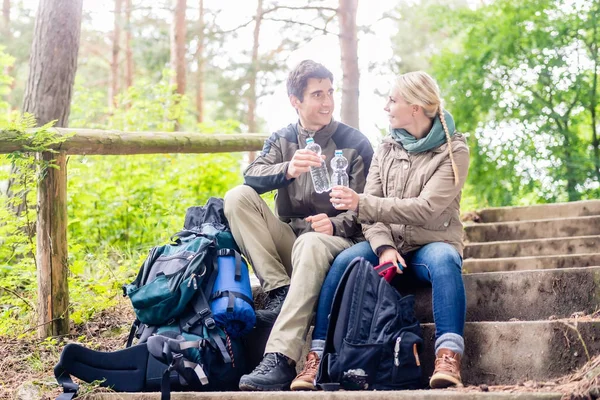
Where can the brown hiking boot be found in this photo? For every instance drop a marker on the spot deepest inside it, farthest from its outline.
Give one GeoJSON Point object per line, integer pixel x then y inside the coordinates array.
{"type": "Point", "coordinates": [306, 379]}
{"type": "Point", "coordinates": [447, 370]}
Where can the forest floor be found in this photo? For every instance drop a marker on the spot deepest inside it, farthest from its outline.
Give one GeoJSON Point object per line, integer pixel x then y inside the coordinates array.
{"type": "Point", "coordinates": [26, 365]}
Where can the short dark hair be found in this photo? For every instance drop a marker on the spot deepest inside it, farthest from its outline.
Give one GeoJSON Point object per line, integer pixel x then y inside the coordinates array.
{"type": "Point", "coordinates": [299, 76]}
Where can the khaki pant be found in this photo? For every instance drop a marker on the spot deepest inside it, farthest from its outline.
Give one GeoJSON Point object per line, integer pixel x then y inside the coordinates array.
{"type": "Point", "coordinates": [274, 252]}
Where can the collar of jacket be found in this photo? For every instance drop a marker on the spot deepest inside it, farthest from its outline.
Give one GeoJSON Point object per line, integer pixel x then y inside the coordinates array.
{"type": "Point", "coordinates": [456, 137]}
{"type": "Point", "coordinates": [323, 134]}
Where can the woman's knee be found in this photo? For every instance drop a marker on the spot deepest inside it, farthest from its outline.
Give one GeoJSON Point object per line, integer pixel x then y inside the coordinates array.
{"type": "Point", "coordinates": [362, 249]}
{"type": "Point", "coordinates": [443, 259]}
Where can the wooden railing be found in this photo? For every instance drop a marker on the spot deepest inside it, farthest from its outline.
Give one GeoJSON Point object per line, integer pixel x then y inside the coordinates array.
{"type": "Point", "coordinates": [53, 292]}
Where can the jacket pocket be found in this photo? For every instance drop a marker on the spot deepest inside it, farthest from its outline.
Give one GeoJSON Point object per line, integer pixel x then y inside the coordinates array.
{"type": "Point", "coordinates": [441, 223]}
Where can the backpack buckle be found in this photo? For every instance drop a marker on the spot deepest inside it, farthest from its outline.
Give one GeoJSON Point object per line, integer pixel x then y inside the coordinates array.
{"type": "Point", "coordinates": [207, 318]}
{"type": "Point", "coordinates": [210, 323]}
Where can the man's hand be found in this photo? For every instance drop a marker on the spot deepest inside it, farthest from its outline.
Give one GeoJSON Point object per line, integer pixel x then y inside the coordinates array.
{"type": "Point", "coordinates": [344, 198]}
{"type": "Point", "coordinates": [301, 162]}
{"type": "Point", "coordinates": [392, 255]}
{"type": "Point", "coordinates": [321, 223]}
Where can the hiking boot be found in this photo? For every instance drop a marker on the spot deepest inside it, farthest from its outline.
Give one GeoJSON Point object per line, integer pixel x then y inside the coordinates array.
{"type": "Point", "coordinates": [447, 370]}
{"type": "Point", "coordinates": [275, 372]}
{"type": "Point", "coordinates": [306, 379]}
{"type": "Point", "coordinates": [275, 299]}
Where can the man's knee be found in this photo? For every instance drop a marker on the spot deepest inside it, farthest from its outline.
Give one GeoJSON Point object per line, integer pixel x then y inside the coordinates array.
{"type": "Point", "coordinates": [237, 197]}
{"type": "Point", "coordinates": [311, 245]}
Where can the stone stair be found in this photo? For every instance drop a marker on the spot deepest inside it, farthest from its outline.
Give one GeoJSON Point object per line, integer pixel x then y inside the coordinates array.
{"type": "Point", "coordinates": [532, 281]}
{"type": "Point", "coordinates": [532, 277]}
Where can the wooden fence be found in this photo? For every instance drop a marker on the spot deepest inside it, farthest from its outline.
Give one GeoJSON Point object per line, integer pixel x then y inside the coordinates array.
{"type": "Point", "coordinates": [53, 292]}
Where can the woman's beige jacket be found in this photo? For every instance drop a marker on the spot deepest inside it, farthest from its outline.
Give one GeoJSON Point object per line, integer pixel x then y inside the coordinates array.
{"type": "Point", "coordinates": [411, 200]}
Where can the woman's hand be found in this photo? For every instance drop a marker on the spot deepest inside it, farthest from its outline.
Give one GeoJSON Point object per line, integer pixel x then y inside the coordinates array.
{"type": "Point", "coordinates": [344, 198]}
{"type": "Point", "coordinates": [392, 255]}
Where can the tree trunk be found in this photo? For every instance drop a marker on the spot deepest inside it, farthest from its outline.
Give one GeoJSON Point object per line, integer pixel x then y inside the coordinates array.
{"type": "Point", "coordinates": [52, 68]}
{"type": "Point", "coordinates": [349, 59]}
{"type": "Point", "coordinates": [200, 65]}
{"type": "Point", "coordinates": [53, 61]}
{"type": "Point", "coordinates": [114, 62]}
{"type": "Point", "coordinates": [52, 265]}
{"type": "Point", "coordinates": [128, 51]}
{"type": "Point", "coordinates": [178, 35]}
{"type": "Point", "coordinates": [251, 117]}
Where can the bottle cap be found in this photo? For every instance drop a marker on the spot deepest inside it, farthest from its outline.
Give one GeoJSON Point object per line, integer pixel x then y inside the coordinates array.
{"type": "Point", "coordinates": [339, 152]}
{"type": "Point", "coordinates": [309, 140]}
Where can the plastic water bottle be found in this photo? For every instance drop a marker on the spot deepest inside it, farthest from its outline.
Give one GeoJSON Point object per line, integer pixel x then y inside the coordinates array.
{"type": "Point", "coordinates": [320, 176]}
{"type": "Point", "coordinates": [339, 176]}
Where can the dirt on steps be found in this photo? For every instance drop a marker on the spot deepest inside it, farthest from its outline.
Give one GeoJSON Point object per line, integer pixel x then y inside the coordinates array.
{"type": "Point", "coordinates": [30, 362]}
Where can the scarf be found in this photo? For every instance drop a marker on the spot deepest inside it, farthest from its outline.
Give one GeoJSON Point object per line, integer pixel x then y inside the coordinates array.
{"type": "Point", "coordinates": [433, 139]}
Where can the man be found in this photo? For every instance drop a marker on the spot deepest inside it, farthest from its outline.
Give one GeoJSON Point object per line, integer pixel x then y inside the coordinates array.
{"type": "Point", "coordinates": [307, 233]}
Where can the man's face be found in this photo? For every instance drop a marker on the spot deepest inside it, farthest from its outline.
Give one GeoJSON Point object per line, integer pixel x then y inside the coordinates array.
{"type": "Point", "coordinates": [317, 107]}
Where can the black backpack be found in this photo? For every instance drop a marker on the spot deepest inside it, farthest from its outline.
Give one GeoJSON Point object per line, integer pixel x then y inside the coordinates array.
{"type": "Point", "coordinates": [373, 338]}
{"type": "Point", "coordinates": [181, 345]}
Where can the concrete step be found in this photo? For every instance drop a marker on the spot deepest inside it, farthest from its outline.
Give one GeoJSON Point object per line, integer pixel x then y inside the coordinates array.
{"type": "Point", "coordinates": [524, 295]}
{"type": "Point", "coordinates": [534, 247]}
{"type": "Point", "coordinates": [542, 211]}
{"type": "Point", "coordinates": [341, 395]}
{"type": "Point", "coordinates": [508, 353]}
{"type": "Point", "coordinates": [499, 353]}
{"type": "Point", "coordinates": [530, 263]}
{"type": "Point", "coordinates": [535, 229]}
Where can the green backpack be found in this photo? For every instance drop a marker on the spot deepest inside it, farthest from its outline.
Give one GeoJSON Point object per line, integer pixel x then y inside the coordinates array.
{"type": "Point", "coordinates": [170, 299]}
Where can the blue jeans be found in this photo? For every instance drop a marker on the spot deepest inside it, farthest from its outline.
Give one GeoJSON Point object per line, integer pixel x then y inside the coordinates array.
{"type": "Point", "coordinates": [437, 265]}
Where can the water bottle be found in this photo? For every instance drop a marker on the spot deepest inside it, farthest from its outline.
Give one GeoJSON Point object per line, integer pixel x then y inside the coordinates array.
{"type": "Point", "coordinates": [320, 176]}
{"type": "Point", "coordinates": [339, 176]}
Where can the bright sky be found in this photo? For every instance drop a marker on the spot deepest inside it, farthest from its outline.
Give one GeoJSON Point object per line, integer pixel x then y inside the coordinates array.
{"type": "Point", "coordinates": [373, 48]}
{"type": "Point", "coordinates": [275, 108]}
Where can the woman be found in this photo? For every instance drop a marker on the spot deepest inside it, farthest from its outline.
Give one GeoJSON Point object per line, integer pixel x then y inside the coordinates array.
{"type": "Point", "coordinates": [410, 213]}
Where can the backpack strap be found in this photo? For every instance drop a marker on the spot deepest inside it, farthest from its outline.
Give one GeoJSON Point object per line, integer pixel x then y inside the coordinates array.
{"type": "Point", "coordinates": [63, 378]}
{"type": "Point", "coordinates": [185, 234]}
{"type": "Point", "coordinates": [204, 315]}
{"type": "Point", "coordinates": [238, 261]}
{"type": "Point", "coordinates": [232, 295]}
{"type": "Point", "coordinates": [141, 331]}
{"type": "Point", "coordinates": [134, 328]}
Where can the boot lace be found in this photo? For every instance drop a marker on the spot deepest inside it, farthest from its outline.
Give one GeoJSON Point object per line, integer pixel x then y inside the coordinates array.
{"type": "Point", "coordinates": [269, 362]}
{"type": "Point", "coordinates": [274, 301]}
{"type": "Point", "coordinates": [446, 363]}
{"type": "Point", "coordinates": [310, 368]}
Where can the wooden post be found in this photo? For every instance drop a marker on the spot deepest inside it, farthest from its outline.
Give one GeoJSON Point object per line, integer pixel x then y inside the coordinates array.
{"type": "Point", "coordinates": [52, 266]}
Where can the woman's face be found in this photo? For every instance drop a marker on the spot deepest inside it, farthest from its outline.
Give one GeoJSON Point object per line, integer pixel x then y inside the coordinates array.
{"type": "Point", "coordinates": [400, 113]}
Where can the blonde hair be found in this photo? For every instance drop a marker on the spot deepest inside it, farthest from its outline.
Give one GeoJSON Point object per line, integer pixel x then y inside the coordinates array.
{"type": "Point", "coordinates": [420, 89]}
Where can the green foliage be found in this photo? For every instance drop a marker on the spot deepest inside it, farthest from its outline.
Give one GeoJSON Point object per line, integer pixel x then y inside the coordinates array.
{"type": "Point", "coordinates": [521, 84]}
{"type": "Point", "coordinates": [17, 231]}
{"type": "Point", "coordinates": [118, 206]}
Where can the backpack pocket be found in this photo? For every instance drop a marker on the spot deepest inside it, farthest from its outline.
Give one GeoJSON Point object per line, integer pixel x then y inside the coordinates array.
{"type": "Point", "coordinates": [166, 296]}
{"type": "Point", "coordinates": [406, 370]}
{"type": "Point", "coordinates": [356, 356]}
